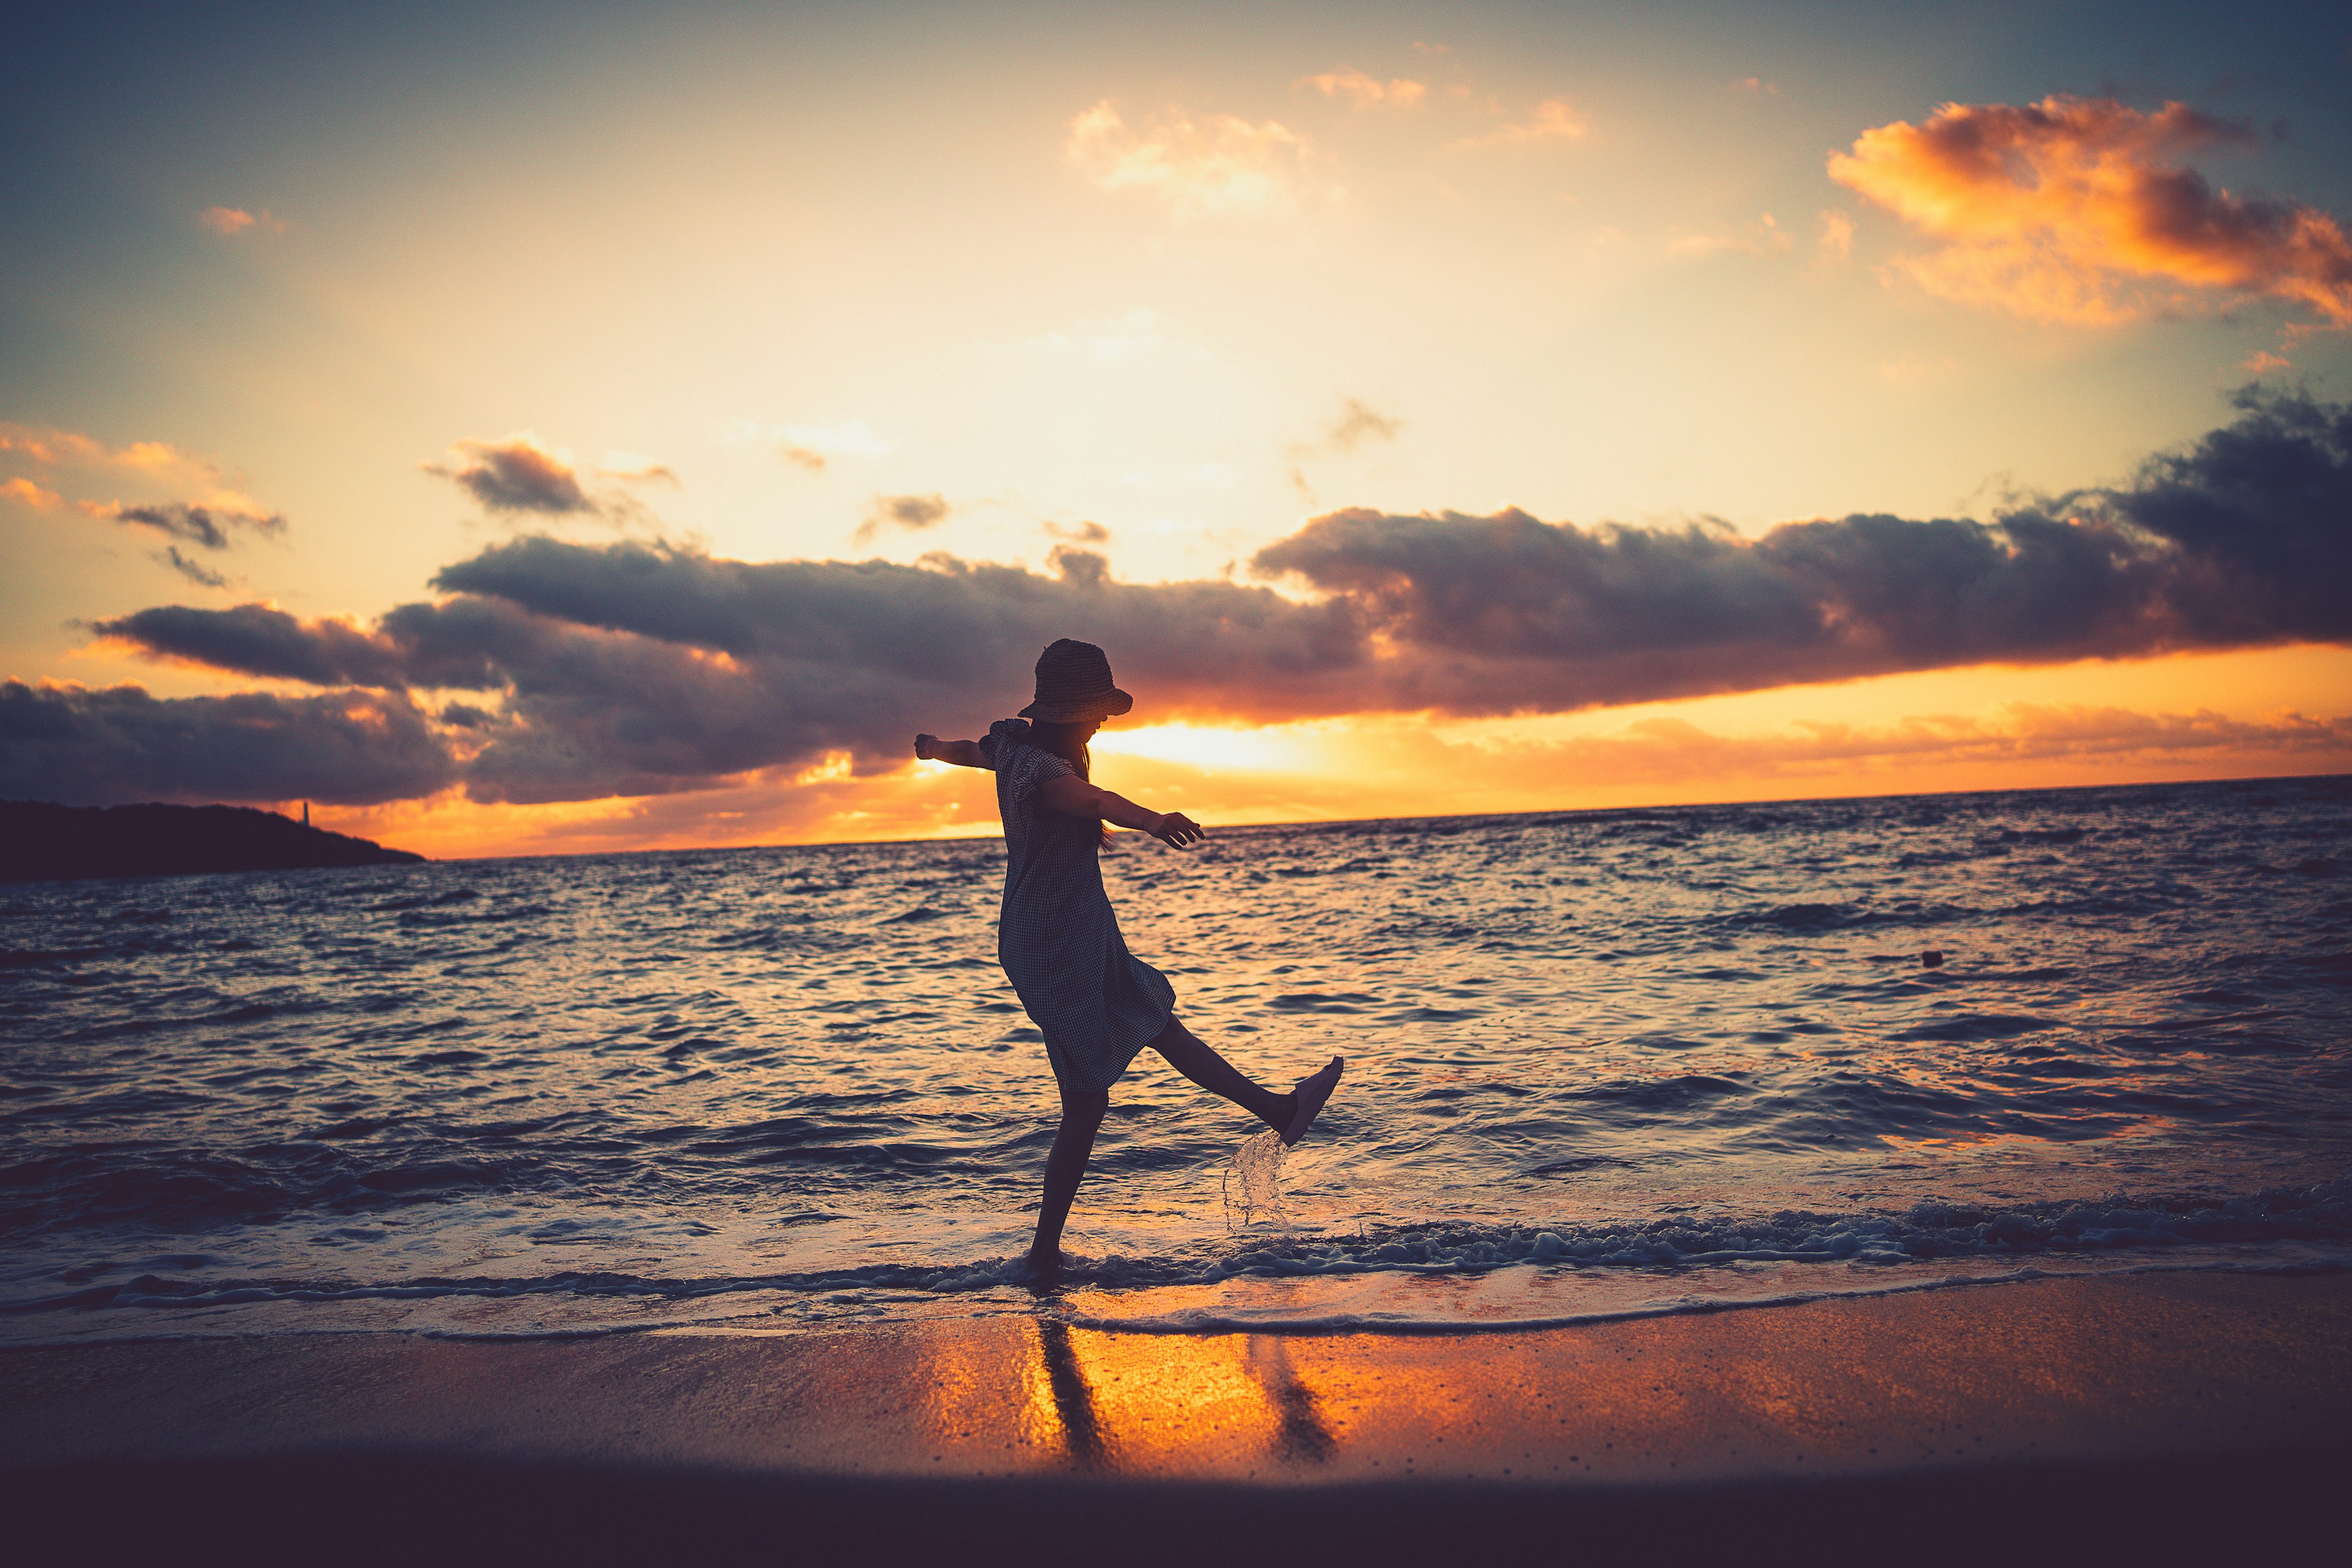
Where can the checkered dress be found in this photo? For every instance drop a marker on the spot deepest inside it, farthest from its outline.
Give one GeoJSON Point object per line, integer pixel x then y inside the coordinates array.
{"type": "Point", "coordinates": [1058, 941]}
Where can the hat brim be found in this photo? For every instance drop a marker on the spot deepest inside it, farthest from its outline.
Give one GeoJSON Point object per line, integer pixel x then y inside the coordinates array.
{"type": "Point", "coordinates": [1102, 705]}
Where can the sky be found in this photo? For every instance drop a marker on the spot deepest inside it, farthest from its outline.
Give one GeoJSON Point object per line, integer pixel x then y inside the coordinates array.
{"type": "Point", "coordinates": [527, 429]}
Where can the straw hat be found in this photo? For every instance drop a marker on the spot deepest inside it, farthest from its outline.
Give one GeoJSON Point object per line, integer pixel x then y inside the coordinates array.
{"type": "Point", "coordinates": [1074, 684]}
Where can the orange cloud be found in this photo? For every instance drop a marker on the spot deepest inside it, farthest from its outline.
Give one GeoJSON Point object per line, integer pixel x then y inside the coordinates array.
{"type": "Point", "coordinates": [1763, 238]}
{"type": "Point", "coordinates": [232, 221]}
{"type": "Point", "coordinates": [2078, 210]}
{"type": "Point", "coordinates": [1364, 91]}
{"type": "Point", "coordinates": [1837, 235]}
{"type": "Point", "coordinates": [1218, 164]}
{"type": "Point", "coordinates": [54, 448]}
{"type": "Point", "coordinates": [1554, 119]}
{"type": "Point", "coordinates": [24, 492]}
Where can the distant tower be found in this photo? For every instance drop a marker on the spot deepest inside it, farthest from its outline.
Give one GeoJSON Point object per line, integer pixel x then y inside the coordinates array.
{"type": "Point", "coordinates": [306, 814]}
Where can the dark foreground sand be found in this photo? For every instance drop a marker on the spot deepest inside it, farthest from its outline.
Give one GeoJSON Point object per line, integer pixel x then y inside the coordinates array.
{"type": "Point", "coordinates": [2166, 1416]}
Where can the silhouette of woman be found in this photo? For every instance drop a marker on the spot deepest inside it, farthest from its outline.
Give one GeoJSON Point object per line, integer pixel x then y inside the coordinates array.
{"type": "Point", "coordinates": [1096, 1003]}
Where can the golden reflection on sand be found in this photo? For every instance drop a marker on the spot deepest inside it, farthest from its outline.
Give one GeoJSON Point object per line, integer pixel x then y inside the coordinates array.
{"type": "Point", "coordinates": [1235, 1404]}
{"type": "Point", "coordinates": [1999, 1374]}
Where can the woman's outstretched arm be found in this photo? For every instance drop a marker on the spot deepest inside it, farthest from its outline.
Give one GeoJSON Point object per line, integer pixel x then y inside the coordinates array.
{"type": "Point", "coordinates": [1079, 798]}
{"type": "Point", "coordinates": [962, 753]}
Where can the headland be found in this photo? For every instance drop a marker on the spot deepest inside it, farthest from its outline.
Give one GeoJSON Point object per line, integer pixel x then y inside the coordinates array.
{"type": "Point", "coordinates": [41, 841]}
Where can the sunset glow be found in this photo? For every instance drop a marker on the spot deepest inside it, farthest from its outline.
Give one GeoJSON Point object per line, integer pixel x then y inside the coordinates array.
{"type": "Point", "coordinates": [1550, 410]}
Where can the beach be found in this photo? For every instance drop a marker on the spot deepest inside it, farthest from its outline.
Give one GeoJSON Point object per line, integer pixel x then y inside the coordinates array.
{"type": "Point", "coordinates": [2139, 1408]}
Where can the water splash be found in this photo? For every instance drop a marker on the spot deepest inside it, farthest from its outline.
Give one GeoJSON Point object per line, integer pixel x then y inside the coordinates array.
{"type": "Point", "coordinates": [1258, 1171]}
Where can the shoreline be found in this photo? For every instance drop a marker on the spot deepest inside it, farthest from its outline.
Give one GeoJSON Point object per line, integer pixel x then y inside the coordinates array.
{"type": "Point", "coordinates": [2137, 1402]}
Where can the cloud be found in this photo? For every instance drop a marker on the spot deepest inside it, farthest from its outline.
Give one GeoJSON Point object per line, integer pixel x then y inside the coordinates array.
{"type": "Point", "coordinates": [1359, 422]}
{"type": "Point", "coordinates": [636, 468]}
{"type": "Point", "coordinates": [233, 221]}
{"type": "Point", "coordinates": [1362, 92]}
{"type": "Point", "coordinates": [645, 670]}
{"type": "Point", "coordinates": [2241, 540]}
{"type": "Point", "coordinates": [2079, 210]}
{"type": "Point", "coordinates": [207, 525]}
{"type": "Point", "coordinates": [811, 446]}
{"type": "Point", "coordinates": [2262, 361]}
{"type": "Point", "coordinates": [210, 522]}
{"type": "Point", "coordinates": [1216, 165]}
{"type": "Point", "coordinates": [25, 493]}
{"type": "Point", "coordinates": [260, 639]}
{"type": "Point", "coordinates": [911, 512]}
{"type": "Point", "coordinates": [636, 669]}
{"type": "Point", "coordinates": [196, 572]}
{"type": "Point", "coordinates": [1755, 85]}
{"type": "Point", "coordinates": [1554, 119]}
{"type": "Point", "coordinates": [1836, 243]}
{"type": "Point", "coordinates": [517, 474]}
{"type": "Point", "coordinates": [1079, 568]}
{"type": "Point", "coordinates": [50, 447]}
{"type": "Point", "coordinates": [106, 747]}
{"type": "Point", "coordinates": [1357, 425]}
{"type": "Point", "coordinates": [1765, 236]}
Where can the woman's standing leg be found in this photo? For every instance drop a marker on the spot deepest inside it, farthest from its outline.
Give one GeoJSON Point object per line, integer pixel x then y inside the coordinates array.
{"type": "Point", "coordinates": [1191, 1056]}
{"type": "Point", "coordinates": [1082, 1115]}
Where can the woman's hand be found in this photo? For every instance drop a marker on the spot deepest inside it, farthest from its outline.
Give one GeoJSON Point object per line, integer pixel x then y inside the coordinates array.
{"type": "Point", "coordinates": [1175, 829]}
{"type": "Point", "coordinates": [926, 748]}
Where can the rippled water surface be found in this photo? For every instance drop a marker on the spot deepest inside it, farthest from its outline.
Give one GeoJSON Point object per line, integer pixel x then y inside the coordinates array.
{"type": "Point", "coordinates": [1597, 1062]}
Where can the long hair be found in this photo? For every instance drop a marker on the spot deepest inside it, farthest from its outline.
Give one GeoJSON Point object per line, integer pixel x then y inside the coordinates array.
{"type": "Point", "coordinates": [1062, 739]}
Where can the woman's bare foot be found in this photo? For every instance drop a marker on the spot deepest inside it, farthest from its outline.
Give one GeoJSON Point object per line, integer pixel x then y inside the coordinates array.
{"type": "Point", "coordinates": [1045, 1267]}
{"type": "Point", "coordinates": [1308, 1097]}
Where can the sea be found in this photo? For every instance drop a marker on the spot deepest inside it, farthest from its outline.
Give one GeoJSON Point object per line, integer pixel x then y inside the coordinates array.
{"type": "Point", "coordinates": [1600, 1064]}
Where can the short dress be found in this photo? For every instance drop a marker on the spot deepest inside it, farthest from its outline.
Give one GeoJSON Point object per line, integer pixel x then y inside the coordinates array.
{"type": "Point", "coordinates": [1096, 1003]}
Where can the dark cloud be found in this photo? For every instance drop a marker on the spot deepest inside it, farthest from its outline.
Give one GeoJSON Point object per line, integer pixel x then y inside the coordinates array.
{"type": "Point", "coordinates": [2244, 540]}
{"type": "Point", "coordinates": [106, 747]}
{"type": "Point", "coordinates": [207, 526]}
{"type": "Point", "coordinates": [1357, 425]}
{"type": "Point", "coordinates": [517, 474]}
{"type": "Point", "coordinates": [634, 669]}
{"type": "Point", "coordinates": [256, 640]}
{"type": "Point", "coordinates": [910, 513]}
{"type": "Point", "coordinates": [1084, 568]}
{"type": "Point", "coordinates": [196, 572]}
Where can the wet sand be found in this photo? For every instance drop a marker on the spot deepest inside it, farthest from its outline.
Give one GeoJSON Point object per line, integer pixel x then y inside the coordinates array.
{"type": "Point", "coordinates": [2148, 1411]}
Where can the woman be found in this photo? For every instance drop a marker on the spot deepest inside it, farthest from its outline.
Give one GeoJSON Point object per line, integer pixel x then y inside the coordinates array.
{"type": "Point", "coordinates": [1059, 941]}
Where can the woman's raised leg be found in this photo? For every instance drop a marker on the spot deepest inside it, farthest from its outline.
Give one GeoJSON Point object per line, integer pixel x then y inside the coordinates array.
{"type": "Point", "coordinates": [1082, 1115]}
{"type": "Point", "coordinates": [1192, 1056]}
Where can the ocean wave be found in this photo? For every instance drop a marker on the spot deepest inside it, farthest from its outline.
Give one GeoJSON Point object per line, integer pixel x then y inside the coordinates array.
{"type": "Point", "coordinates": [2317, 1219]}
